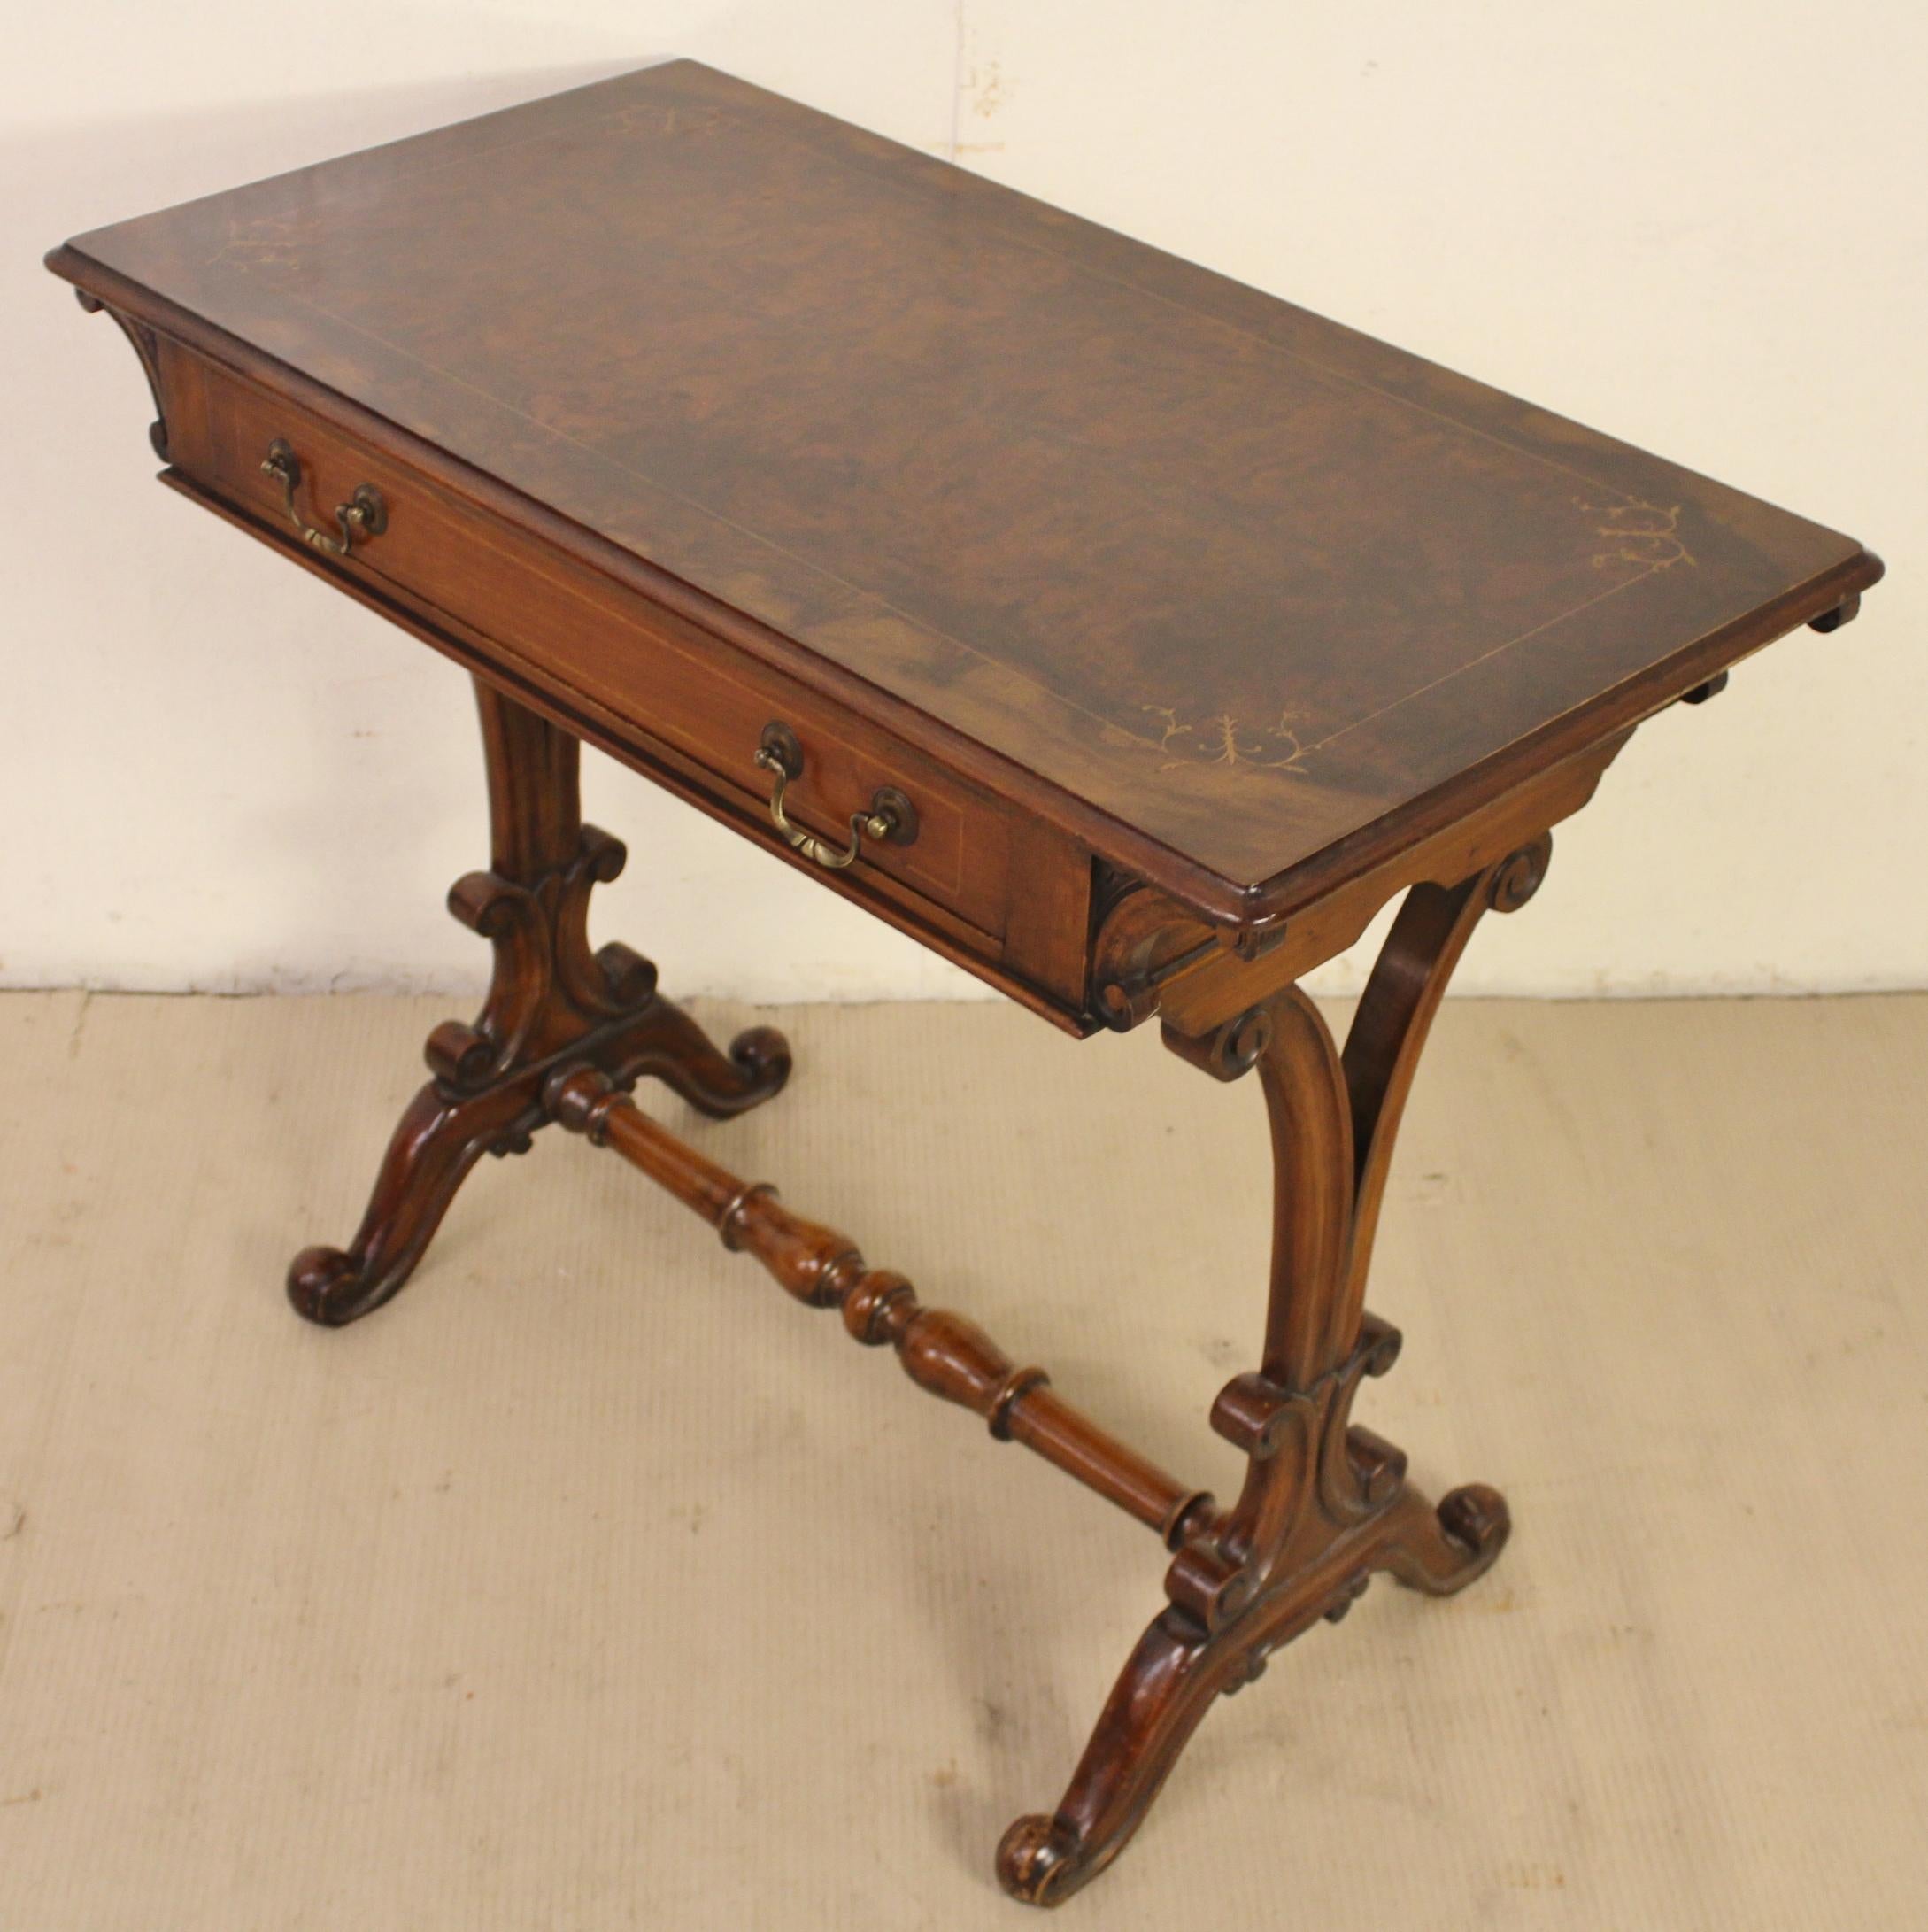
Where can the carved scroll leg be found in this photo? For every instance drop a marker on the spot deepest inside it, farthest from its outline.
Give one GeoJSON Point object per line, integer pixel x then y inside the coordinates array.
{"type": "Point", "coordinates": [436, 1143]}
{"type": "Point", "coordinates": [445, 1131]}
{"type": "Point", "coordinates": [1163, 1693]}
{"type": "Point", "coordinates": [1178, 1670]}
{"type": "Point", "coordinates": [1325, 1503]}
{"type": "Point", "coordinates": [550, 996]}
{"type": "Point", "coordinates": [1441, 1551]}
{"type": "Point", "coordinates": [670, 1046]}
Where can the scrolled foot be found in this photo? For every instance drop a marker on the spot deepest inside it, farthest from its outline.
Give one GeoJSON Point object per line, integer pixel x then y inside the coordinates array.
{"type": "Point", "coordinates": [1037, 1861]}
{"type": "Point", "coordinates": [665, 1044]}
{"type": "Point", "coordinates": [1442, 1551]}
{"type": "Point", "coordinates": [1478, 1518]}
{"type": "Point", "coordinates": [324, 1287]}
{"type": "Point", "coordinates": [763, 1055]}
{"type": "Point", "coordinates": [1194, 1654]}
{"type": "Point", "coordinates": [440, 1138]}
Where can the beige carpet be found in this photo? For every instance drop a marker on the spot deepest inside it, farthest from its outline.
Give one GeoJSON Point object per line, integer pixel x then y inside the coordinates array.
{"type": "Point", "coordinates": [594, 1584]}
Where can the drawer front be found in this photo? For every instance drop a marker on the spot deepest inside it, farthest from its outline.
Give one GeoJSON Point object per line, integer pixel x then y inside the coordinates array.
{"type": "Point", "coordinates": [674, 682]}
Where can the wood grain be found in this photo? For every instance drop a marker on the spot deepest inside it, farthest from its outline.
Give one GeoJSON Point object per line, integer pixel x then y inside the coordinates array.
{"type": "Point", "coordinates": [1234, 596]}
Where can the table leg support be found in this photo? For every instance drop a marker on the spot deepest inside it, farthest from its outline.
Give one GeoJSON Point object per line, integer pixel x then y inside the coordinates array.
{"type": "Point", "coordinates": [1325, 1504]}
{"type": "Point", "coordinates": [551, 997]}
{"type": "Point", "coordinates": [942, 1352]}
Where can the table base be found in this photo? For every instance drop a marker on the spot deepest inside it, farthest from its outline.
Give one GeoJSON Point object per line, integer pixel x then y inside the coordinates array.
{"type": "Point", "coordinates": [565, 1033]}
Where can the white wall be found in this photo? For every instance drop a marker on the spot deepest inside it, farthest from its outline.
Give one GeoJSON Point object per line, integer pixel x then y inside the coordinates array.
{"type": "Point", "coordinates": [1699, 225]}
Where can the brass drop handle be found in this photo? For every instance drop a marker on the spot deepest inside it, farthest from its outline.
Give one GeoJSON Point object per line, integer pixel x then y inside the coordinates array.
{"type": "Point", "coordinates": [364, 515]}
{"type": "Point", "coordinates": [891, 819]}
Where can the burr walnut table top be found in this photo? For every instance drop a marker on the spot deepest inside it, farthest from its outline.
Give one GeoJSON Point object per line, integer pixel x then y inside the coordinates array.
{"type": "Point", "coordinates": [1236, 597]}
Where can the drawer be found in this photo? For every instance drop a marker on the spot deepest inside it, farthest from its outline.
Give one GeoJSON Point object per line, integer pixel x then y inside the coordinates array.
{"type": "Point", "coordinates": [674, 682]}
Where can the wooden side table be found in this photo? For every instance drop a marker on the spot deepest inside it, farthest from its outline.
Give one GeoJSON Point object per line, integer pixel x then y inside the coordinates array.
{"type": "Point", "coordinates": [1126, 636]}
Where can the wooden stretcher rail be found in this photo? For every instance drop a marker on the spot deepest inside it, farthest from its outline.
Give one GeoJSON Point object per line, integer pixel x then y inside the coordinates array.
{"type": "Point", "coordinates": [941, 1352]}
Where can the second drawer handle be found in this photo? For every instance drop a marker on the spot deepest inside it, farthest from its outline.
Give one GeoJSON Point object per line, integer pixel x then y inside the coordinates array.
{"type": "Point", "coordinates": [891, 819]}
{"type": "Point", "coordinates": [364, 515]}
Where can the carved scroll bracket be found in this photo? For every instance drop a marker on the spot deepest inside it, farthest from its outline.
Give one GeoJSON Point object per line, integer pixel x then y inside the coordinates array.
{"type": "Point", "coordinates": [147, 347]}
{"type": "Point", "coordinates": [548, 988]}
{"type": "Point", "coordinates": [1152, 955]}
{"type": "Point", "coordinates": [1144, 941]}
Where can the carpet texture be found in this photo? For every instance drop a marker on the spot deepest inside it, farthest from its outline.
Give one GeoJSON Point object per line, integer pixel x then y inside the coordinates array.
{"type": "Point", "coordinates": [594, 1584]}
